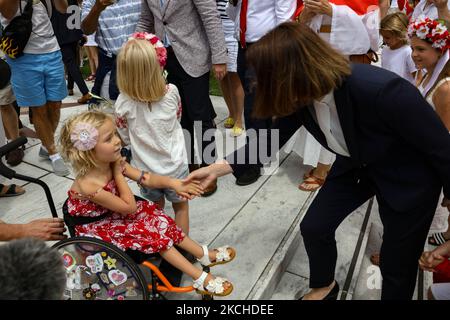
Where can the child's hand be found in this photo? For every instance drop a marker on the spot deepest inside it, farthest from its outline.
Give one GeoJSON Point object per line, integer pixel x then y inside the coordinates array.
{"type": "Point", "coordinates": [429, 260]}
{"type": "Point", "coordinates": [118, 167]}
{"type": "Point", "coordinates": [188, 190]}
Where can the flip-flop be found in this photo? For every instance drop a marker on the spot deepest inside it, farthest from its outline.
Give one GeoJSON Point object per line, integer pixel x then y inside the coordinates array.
{"type": "Point", "coordinates": [11, 191]}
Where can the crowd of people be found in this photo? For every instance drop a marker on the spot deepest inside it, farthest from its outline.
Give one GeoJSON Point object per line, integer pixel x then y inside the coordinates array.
{"type": "Point", "coordinates": [298, 66]}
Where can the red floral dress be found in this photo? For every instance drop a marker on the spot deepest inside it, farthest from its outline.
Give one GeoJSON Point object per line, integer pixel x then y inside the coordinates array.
{"type": "Point", "coordinates": [148, 229]}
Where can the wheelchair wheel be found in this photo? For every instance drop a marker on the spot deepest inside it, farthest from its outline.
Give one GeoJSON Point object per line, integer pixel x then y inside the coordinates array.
{"type": "Point", "coordinates": [97, 270]}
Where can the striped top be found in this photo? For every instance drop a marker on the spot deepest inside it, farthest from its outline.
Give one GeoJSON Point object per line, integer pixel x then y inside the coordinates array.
{"type": "Point", "coordinates": [116, 23]}
{"type": "Point", "coordinates": [221, 6]}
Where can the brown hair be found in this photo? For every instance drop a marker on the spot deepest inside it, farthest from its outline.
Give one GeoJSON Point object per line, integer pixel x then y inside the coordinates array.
{"type": "Point", "coordinates": [293, 67]}
{"type": "Point", "coordinates": [397, 23]}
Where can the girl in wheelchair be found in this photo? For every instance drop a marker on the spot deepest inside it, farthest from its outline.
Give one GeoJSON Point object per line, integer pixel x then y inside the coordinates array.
{"type": "Point", "coordinates": [89, 141]}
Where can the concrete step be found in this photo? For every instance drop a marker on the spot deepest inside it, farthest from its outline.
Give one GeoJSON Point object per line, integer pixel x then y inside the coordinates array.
{"type": "Point", "coordinates": [350, 238]}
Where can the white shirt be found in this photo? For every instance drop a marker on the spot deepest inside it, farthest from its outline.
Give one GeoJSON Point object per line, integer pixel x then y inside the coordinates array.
{"type": "Point", "coordinates": [399, 61]}
{"type": "Point", "coordinates": [428, 10]}
{"type": "Point", "coordinates": [42, 38]}
{"type": "Point", "coordinates": [328, 121]}
{"type": "Point", "coordinates": [262, 16]}
{"type": "Point", "coordinates": [154, 133]}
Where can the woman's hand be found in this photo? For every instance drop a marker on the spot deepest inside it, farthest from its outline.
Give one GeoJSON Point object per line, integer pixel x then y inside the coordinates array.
{"type": "Point", "coordinates": [429, 260]}
{"type": "Point", "coordinates": [188, 190]}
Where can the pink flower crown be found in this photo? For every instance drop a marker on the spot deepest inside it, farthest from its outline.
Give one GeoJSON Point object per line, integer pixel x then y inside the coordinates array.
{"type": "Point", "coordinates": [161, 51]}
{"type": "Point", "coordinates": [431, 31]}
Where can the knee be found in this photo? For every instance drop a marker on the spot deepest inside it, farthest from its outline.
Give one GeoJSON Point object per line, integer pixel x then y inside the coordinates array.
{"type": "Point", "coordinates": [313, 229]}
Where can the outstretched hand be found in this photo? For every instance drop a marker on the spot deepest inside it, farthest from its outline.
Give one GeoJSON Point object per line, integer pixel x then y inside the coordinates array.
{"type": "Point", "coordinates": [203, 175]}
{"type": "Point", "coordinates": [188, 190]}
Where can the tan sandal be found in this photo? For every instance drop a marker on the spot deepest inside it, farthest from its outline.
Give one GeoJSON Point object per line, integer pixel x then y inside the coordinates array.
{"type": "Point", "coordinates": [312, 180]}
{"type": "Point", "coordinates": [224, 255]}
{"type": "Point", "coordinates": [214, 287]}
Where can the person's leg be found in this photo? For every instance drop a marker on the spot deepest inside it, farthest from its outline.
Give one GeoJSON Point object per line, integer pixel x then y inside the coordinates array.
{"type": "Point", "coordinates": [238, 97]}
{"type": "Point", "coordinates": [10, 121]}
{"type": "Point", "coordinates": [54, 113]}
{"type": "Point", "coordinates": [92, 53]}
{"type": "Point", "coordinates": [181, 210]}
{"type": "Point", "coordinates": [404, 235]}
{"type": "Point", "coordinates": [44, 128]}
{"type": "Point", "coordinates": [338, 198]}
{"type": "Point", "coordinates": [227, 95]}
{"type": "Point", "coordinates": [69, 54]}
{"type": "Point", "coordinates": [175, 258]}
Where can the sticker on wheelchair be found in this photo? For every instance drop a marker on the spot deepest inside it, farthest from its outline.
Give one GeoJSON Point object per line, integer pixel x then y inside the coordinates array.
{"type": "Point", "coordinates": [97, 270]}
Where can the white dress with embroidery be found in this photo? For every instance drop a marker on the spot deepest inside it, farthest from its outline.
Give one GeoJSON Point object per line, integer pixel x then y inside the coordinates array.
{"type": "Point", "coordinates": [154, 133]}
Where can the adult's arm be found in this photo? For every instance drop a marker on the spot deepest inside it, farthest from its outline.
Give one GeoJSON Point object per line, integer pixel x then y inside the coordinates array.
{"type": "Point", "coordinates": [147, 20]}
{"type": "Point", "coordinates": [282, 130]}
{"type": "Point", "coordinates": [8, 8]}
{"type": "Point", "coordinates": [207, 9]}
{"type": "Point", "coordinates": [404, 109]}
{"type": "Point", "coordinates": [384, 7]}
{"type": "Point", "coordinates": [238, 162]}
{"type": "Point", "coordinates": [44, 229]}
{"type": "Point", "coordinates": [91, 10]}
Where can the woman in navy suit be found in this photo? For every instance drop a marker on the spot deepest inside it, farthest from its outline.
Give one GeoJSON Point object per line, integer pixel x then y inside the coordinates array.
{"type": "Point", "coordinates": [388, 143]}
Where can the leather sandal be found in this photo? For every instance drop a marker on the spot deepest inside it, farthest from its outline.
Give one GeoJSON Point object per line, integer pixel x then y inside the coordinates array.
{"type": "Point", "coordinates": [224, 255]}
{"type": "Point", "coordinates": [214, 287]}
{"type": "Point", "coordinates": [10, 191]}
{"type": "Point", "coordinates": [228, 123]}
{"type": "Point", "coordinates": [312, 180]}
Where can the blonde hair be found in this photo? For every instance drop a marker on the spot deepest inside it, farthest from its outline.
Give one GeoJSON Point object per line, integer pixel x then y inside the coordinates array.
{"type": "Point", "coordinates": [139, 73]}
{"type": "Point", "coordinates": [82, 161]}
{"type": "Point", "coordinates": [397, 23]}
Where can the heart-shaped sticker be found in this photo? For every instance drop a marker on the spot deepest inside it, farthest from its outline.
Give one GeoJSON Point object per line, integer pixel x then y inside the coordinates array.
{"type": "Point", "coordinates": [117, 277]}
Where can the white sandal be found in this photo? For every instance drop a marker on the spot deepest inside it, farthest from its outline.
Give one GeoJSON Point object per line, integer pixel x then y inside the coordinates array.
{"type": "Point", "coordinates": [222, 256]}
{"type": "Point", "coordinates": [214, 288]}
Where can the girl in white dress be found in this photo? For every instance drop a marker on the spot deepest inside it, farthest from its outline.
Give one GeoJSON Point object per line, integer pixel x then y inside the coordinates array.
{"type": "Point", "coordinates": [147, 117]}
{"type": "Point", "coordinates": [396, 55]}
{"type": "Point", "coordinates": [431, 52]}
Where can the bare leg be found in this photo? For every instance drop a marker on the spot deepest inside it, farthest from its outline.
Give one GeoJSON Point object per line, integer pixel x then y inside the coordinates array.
{"type": "Point", "coordinates": [182, 215]}
{"type": "Point", "coordinates": [44, 128]}
{"type": "Point", "coordinates": [54, 113]}
{"type": "Point", "coordinates": [10, 121]}
{"type": "Point", "coordinates": [237, 94]}
{"type": "Point", "coordinates": [92, 54]}
{"type": "Point", "coordinates": [227, 95]}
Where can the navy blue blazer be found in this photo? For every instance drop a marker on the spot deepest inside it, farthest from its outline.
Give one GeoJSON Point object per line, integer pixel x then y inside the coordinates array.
{"type": "Point", "coordinates": [390, 130]}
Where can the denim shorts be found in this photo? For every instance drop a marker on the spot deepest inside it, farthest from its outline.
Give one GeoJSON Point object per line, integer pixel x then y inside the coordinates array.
{"type": "Point", "coordinates": [155, 195]}
{"type": "Point", "coordinates": [38, 78]}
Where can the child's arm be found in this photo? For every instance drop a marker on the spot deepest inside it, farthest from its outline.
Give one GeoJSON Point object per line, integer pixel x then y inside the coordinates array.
{"type": "Point", "coordinates": [154, 181]}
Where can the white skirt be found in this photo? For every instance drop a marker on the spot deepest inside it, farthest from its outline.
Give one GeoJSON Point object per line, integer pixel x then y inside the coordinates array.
{"type": "Point", "coordinates": [307, 147]}
{"type": "Point", "coordinates": [91, 41]}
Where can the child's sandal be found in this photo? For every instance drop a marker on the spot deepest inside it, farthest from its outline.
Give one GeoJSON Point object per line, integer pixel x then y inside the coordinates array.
{"type": "Point", "coordinates": [214, 287]}
{"type": "Point", "coordinates": [224, 255]}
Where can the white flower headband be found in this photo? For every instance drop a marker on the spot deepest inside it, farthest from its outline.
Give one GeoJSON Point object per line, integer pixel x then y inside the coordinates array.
{"type": "Point", "coordinates": [84, 136]}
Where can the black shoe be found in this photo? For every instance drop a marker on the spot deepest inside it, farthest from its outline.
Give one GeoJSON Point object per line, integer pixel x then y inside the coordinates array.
{"type": "Point", "coordinates": [250, 176]}
{"type": "Point", "coordinates": [332, 295]}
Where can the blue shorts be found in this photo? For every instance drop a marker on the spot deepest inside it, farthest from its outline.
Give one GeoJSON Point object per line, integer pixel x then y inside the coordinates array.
{"type": "Point", "coordinates": [155, 195]}
{"type": "Point", "coordinates": [38, 78]}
